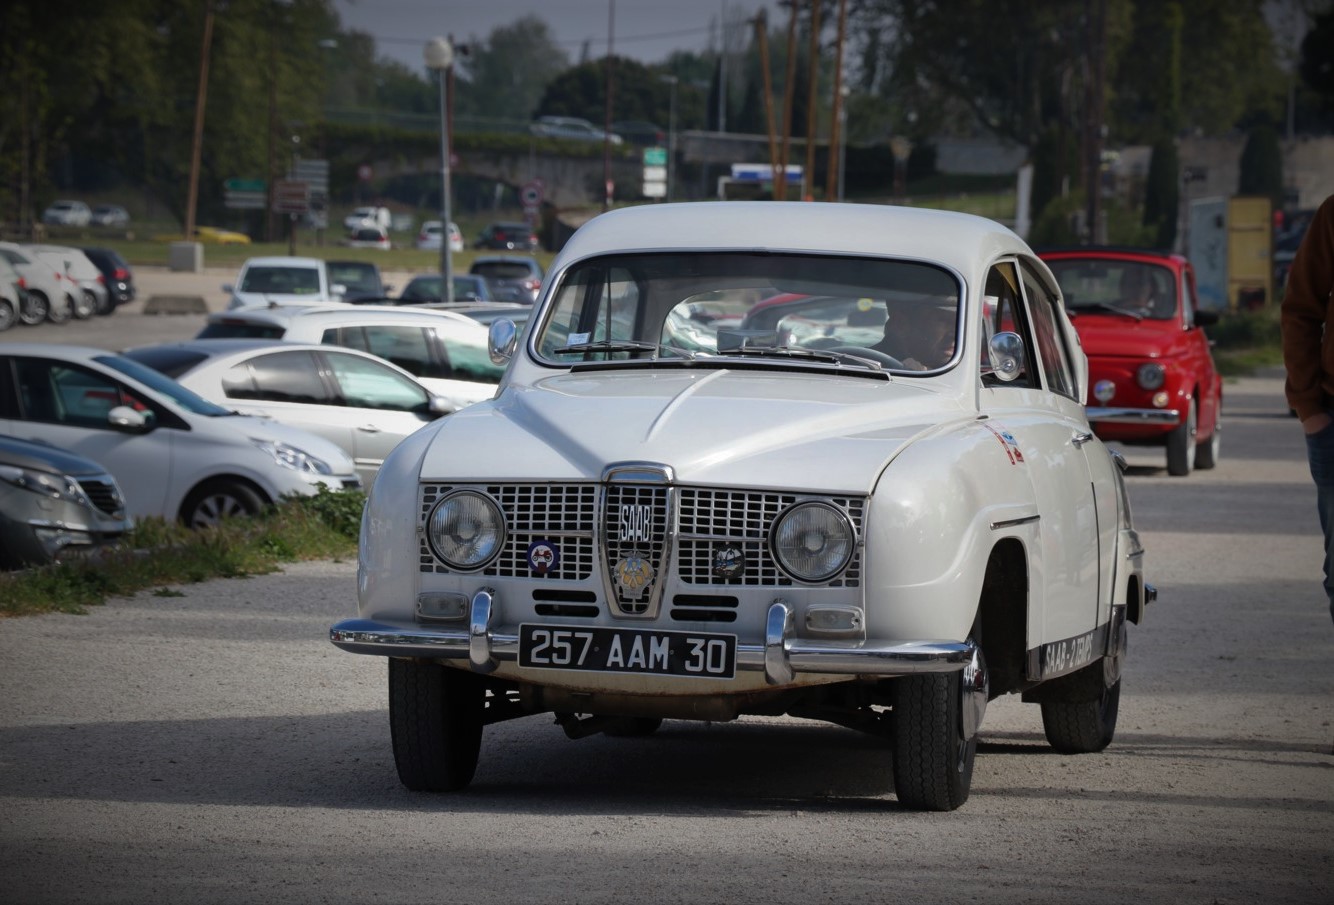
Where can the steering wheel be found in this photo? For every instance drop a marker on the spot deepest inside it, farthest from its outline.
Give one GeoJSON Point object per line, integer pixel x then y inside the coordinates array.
{"type": "Point", "coordinates": [883, 358]}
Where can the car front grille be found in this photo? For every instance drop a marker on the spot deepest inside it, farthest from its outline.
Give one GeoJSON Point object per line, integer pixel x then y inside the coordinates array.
{"type": "Point", "coordinates": [102, 493]}
{"type": "Point", "coordinates": [633, 530]}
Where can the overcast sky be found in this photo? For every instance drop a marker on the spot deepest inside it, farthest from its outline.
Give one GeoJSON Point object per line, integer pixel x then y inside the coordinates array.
{"type": "Point", "coordinates": [647, 30]}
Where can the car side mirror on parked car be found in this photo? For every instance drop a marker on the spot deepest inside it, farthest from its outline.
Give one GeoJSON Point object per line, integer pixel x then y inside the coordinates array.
{"type": "Point", "coordinates": [440, 406]}
{"type": "Point", "coordinates": [124, 418]}
{"type": "Point", "coordinates": [1006, 351]}
{"type": "Point", "coordinates": [502, 339]}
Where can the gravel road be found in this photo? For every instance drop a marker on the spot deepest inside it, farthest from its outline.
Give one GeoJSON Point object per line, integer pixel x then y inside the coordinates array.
{"type": "Point", "coordinates": [206, 743]}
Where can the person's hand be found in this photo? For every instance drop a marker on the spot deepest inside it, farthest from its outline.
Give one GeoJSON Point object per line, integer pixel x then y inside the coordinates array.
{"type": "Point", "coordinates": [1316, 423]}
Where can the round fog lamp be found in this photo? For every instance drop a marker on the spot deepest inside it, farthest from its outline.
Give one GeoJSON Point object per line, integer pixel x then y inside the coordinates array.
{"type": "Point", "coordinates": [1160, 400]}
{"type": "Point", "coordinates": [813, 542]}
{"type": "Point", "coordinates": [1104, 390]}
{"type": "Point", "coordinates": [466, 530]}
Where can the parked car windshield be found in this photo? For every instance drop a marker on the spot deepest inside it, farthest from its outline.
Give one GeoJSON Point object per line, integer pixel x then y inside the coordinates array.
{"type": "Point", "coordinates": [798, 307]}
{"type": "Point", "coordinates": [284, 280]}
{"type": "Point", "coordinates": [1130, 287]}
{"type": "Point", "coordinates": [163, 385]}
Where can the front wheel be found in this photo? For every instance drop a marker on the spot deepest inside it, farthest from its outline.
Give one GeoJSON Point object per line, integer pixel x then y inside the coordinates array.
{"type": "Point", "coordinates": [1181, 445]}
{"type": "Point", "coordinates": [1206, 453]}
{"type": "Point", "coordinates": [933, 762]}
{"type": "Point", "coordinates": [209, 505]}
{"type": "Point", "coordinates": [85, 306]}
{"type": "Point", "coordinates": [435, 720]}
{"type": "Point", "coordinates": [58, 311]}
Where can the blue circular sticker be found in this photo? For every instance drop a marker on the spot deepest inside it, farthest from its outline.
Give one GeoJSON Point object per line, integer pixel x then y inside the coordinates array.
{"type": "Point", "coordinates": [543, 556]}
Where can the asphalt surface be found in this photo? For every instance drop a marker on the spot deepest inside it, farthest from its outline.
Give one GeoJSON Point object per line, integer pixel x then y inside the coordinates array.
{"type": "Point", "coordinates": [206, 743]}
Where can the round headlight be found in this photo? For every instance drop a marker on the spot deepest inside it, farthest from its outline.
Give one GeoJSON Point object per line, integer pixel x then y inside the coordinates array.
{"type": "Point", "coordinates": [813, 542]}
{"type": "Point", "coordinates": [1151, 376]}
{"type": "Point", "coordinates": [466, 530]}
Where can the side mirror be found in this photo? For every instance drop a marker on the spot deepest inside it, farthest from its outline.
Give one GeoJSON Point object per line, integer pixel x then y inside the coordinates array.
{"type": "Point", "coordinates": [338, 290]}
{"type": "Point", "coordinates": [1006, 354]}
{"type": "Point", "coordinates": [502, 339]}
{"type": "Point", "coordinates": [439, 406]}
{"type": "Point", "coordinates": [124, 418]}
{"type": "Point", "coordinates": [228, 288]}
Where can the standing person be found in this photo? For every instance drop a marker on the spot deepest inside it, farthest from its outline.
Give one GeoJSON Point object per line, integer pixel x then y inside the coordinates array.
{"type": "Point", "coordinates": [1308, 354]}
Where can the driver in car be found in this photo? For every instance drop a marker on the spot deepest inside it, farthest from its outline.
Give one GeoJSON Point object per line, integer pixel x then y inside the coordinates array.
{"type": "Point", "coordinates": [919, 333]}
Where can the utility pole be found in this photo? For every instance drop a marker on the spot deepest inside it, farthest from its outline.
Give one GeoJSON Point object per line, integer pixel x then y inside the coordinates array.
{"type": "Point", "coordinates": [606, 125]}
{"type": "Point", "coordinates": [1096, 11]}
{"type": "Point", "coordinates": [780, 175]}
{"type": "Point", "coordinates": [197, 148]}
{"type": "Point", "coordinates": [812, 103]}
{"type": "Point", "coordinates": [761, 22]}
{"type": "Point", "coordinates": [834, 179]}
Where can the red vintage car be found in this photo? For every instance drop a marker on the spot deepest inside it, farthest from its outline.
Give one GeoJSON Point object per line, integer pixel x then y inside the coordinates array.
{"type": "Point", "coordinates": [1152, 379]}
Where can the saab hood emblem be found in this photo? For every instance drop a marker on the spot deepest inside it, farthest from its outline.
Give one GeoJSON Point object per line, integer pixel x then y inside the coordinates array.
{"type": "Point", "coordinates": [633, 575]}
{"type": "Point", "coordinates": [729, 562]}
{"type": "Point", "coordinates": [543, 556]}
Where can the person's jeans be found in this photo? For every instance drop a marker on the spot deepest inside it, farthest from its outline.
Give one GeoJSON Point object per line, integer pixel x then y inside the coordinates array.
{"type": "Point", "coordinates": [1320, 453]}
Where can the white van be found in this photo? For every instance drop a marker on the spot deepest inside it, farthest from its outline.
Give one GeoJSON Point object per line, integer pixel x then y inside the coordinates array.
{"type": "Point", "coordinates": [282, 280]}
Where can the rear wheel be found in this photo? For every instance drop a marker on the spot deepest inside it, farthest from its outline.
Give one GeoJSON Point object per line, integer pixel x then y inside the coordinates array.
{"type": "Point", "coordinates": [1181, 445]}
{"type": "Point", "coordinates": [8, 315]}
{"type": "Point", "coordinates": [1083, 726]}
{"type": "Point", "coordinates": [435, 720]}
{"type": "Point", "coordinates": [209, 504]}
{"type": "Point", "coordinates": [34, 310]}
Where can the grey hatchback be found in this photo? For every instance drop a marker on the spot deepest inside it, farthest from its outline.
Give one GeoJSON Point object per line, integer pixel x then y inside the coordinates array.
{"type": "Point", "coordinates": [53, 504]}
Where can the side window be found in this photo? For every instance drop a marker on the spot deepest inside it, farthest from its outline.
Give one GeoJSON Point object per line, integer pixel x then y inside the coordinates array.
{"type": "Point", "coordinates": [598, 304]}
{"type": "Point", "coordinates": [63, 394]}
{"type": "Point", "coordinates": [1050, 342]}
{"type": "Point", "coordinates": [1002, 312]}
{"type": "Point", "coordinates": [467, 353]}
{"type": "Point", "coordinates": [369, 384]}
{"type": "Point", "coordinates": [289, 377]}
{"type": "Point", "coordinates": [408, 347]}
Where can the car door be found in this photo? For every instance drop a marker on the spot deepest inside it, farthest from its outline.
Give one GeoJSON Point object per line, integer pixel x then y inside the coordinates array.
{"type": "Point", "coordinates": [287, 386]}
{"type": "Point", "coordinates": [67, 405]}
{"type": "Point", "coordinates": [1040, 416]}
{"type": "Point", "coordinates": [384, 407]}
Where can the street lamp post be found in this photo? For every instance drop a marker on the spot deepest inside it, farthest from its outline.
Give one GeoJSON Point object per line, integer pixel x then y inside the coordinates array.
{"type": "Point", "coordinates": [440, 57]}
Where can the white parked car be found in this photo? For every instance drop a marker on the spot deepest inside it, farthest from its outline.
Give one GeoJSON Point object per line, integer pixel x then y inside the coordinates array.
{"type": "Point", "coordinates": [12, 294]}
{"type": "Point", "coordinates": [432, 232]}
{"type": "Point", "coordinates": [371, 215]}
{"type": "Point", "coordinates": [110, 215]}
{"type": "Point", "coordinates": [51, 297]}
{"type": "Point", "coordinates": [174, 454]}
{"type": "Point", "coordinates": [571, 127]}
{"type": "Point", "coordinates": [67, 213]}
{"type": "Point", "coordinates": [353, 399]}
{"type": "Point", "coordinates": [828, 460]}
{"type": "Point", "coordinates": [89, 294]}
{"type": "Point", "coordinates": [282, 281]}
{"type": "Point", "coordinates": [447, 352]}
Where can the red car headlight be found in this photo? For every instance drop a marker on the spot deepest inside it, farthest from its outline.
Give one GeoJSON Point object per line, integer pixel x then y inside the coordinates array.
{"type": "Point", "coordinates": [1151, 376]}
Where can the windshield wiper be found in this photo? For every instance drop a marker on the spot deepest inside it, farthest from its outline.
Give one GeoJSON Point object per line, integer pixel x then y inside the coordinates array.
{"type": "Point", "coordinates": [813, 354]}
{"type": "Point", "coordinates": [625, 345]}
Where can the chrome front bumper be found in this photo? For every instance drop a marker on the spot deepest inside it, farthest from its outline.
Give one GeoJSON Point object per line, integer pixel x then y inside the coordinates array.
{"type": "Point", "coordinates": [781, 657]}
{"type": "Point", "coordinates": [1132, 416]}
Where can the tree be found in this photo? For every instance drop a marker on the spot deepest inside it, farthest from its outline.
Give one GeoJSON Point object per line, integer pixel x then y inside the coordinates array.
{"type": "Point", "coordinates": [637, 92]}
{"type": "Point", "coordinates": [1317, 59]}
{"type": "Point", "coordinates": [506, 75]}
{"type": "Point", "coordinates": [1162, 193]}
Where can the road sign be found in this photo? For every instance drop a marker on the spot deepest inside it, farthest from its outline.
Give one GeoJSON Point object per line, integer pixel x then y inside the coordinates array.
{"type": "Point", "coordinates": [245, 185]}
{"type": "Point", "coordinates": [655, 157]}
{"type": "Point", "coordinates": [531, 193]}
{"type": "Point", "coordinates": [291, 196]}
{"type": "Point", "coordinates": [244, 201]}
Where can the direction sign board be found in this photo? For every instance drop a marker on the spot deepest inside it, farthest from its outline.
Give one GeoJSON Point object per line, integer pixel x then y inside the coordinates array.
{"type": "Point", "coordinates": [245, 185]}
{"type": "Point", "coordinates": [291, 196]}
{"type": "Point", "coordinates": [655, 157]}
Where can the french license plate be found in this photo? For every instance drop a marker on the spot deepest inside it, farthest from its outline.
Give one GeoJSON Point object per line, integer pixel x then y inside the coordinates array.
{"type": "Point", "coordinates": [596, 649]}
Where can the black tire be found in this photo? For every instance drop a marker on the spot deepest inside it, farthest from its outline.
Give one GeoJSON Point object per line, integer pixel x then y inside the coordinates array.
{"type": "Point", "coordinates": [8, 316]}
{"type": "Point", "coordinates": [106, 305]}
{"type": "Point", "coordinates": [1206, 453]}
{"type": "Point", "coordinates": [633, 727]}
{"type": "Point", "coordinates": [85, 306]}
{"type": "Point", "coordinates": [933, 765]}
{"type": "Point", "coordinates": [34, 312]}
{"type": "Point", "coordinates": [435, 720]}
{"type": "Point", "coordinates": [1083, 727]}
{"type": "Point", "coordinates": [1181, 445]}
{"type": "Point", "coordinates": [211, 503]}
{"type": "Point", "coordinates": [58, 311]}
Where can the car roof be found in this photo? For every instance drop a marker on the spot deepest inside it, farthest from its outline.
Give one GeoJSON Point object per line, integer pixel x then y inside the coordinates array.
{"type": "Point", "coordinates": [283, 261]}
{"type": "Point", "coordinates": [333, 311]}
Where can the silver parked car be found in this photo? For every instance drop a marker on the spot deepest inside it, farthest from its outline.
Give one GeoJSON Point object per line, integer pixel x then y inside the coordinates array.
{"type": "Point", "coordinates": [54, 504]}
{"type": "Point", "coordinates": [353, 399]}
{"type": "Point", "coordinates": [50, 295]}
{"type": "Point", "coordinates": [89, 292]}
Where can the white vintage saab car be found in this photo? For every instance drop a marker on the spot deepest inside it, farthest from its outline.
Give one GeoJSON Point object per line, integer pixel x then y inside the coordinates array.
{"type": "Point", "coordinates": [825, 460]}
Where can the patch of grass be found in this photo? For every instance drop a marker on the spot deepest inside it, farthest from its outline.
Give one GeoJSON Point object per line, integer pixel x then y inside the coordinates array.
{"type": "Point", "coordinates": [1247, 341]}
{"type": "Point", "coordinates": [158, 554]}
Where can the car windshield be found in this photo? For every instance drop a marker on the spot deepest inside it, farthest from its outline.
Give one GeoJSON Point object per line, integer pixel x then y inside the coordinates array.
{"type": "Point", "coordinates": [503, 270]}
{"type": "Point", "coordinates": [356, 276]}
{"type": "Point", "coordinates": [1132, 288]}
{"type": "Point", "coordinates": [163, 385]}
{"type": "Point", "coordinates": [872, 314]}
{"type": "Point", "coordinates": [281, 280]}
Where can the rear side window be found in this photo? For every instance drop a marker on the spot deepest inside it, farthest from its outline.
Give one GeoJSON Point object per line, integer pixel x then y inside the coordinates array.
{"type": "Point", "coordinates": [240, 330]}
{"type": "Point", "coordinates": [280, 377]}
{"type": "Point", "coordinates": [408, 347]}
{"type": "Point", "coordinates": [502, 270]}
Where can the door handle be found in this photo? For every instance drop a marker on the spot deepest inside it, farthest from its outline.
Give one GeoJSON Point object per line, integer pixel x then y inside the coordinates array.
{"type": "Point", "coordinates": [369, 429]}
{"type": "Point", "coordinates": [1080, 439]}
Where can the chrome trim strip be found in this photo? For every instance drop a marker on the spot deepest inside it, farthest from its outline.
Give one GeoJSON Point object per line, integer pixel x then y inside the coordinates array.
{"type": "Point", "coordinates": [639, 473]}
{"type": "Point", "coordinates": [1132, 416]}
{"type": "Point", "coordinates": [364, 636]}
{"type": "Point", "coordinates": [1014, 522]}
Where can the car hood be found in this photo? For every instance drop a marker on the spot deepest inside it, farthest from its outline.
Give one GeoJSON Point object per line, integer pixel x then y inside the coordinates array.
{"type": "Point", "coordinates": [49, 459]}
{"type": "Point", "coordinates": [1119, 336]}
{"type": "Point", "coordinates": [717, 427]}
